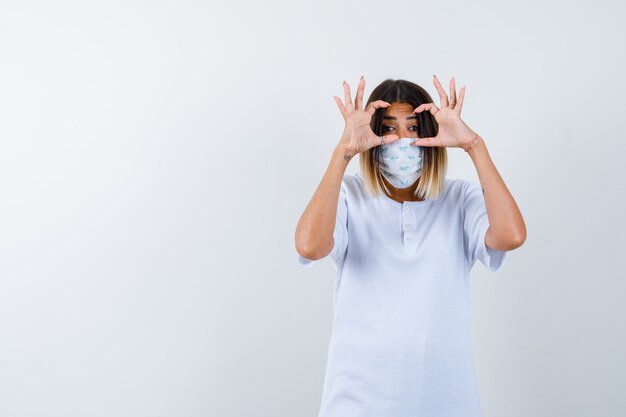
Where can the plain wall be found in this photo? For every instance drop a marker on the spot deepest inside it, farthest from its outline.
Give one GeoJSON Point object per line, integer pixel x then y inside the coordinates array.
{"type": "Point", "coordinates": [155, 158]}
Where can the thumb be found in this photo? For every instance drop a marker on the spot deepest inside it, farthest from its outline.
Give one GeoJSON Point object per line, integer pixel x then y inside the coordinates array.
{"type": "Point", "coordinates": [424, 142]}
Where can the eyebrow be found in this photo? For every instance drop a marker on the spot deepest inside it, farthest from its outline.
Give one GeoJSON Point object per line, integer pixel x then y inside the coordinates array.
{"type": "Point", "coordinates": [394, 118]}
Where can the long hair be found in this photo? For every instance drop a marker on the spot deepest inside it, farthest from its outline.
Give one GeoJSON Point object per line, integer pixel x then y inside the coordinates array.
{"type": "Point", "coordinates": [431, 181]}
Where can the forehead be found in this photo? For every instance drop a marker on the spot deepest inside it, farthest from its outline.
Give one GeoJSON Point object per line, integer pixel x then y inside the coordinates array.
{"type": "Point", "coordinates": [399, 109]}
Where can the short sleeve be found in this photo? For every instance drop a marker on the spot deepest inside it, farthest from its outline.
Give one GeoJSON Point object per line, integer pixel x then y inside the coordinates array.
{"type": "Point", "coordinates": [475, 225]}
{"type": "Point", "coordinates": [340, 234]}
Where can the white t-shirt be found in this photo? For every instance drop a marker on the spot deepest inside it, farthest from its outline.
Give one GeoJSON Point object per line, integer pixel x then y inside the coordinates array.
{"type": "Point", "coordinates": [400, 342]}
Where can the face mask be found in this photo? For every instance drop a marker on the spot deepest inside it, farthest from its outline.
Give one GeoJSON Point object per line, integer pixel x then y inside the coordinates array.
{"type": "Point", "coordinates": [400, 162]}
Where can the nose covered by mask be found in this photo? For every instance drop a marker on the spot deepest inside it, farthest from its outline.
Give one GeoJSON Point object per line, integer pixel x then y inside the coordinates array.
{"type": "Point", "coordinates": [400, 162]}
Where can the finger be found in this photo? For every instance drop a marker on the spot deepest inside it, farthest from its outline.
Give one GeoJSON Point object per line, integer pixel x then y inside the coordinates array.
{"type": "Point", "coordinates": [391, 138]}
{"type": "Point", "coordinates": [453, 100]}
{"type": "Point", "coordinates": [442, 93]}
{"type": "Point", "coordinates": [348, 97]}
{"type": "Point", "coordinates": [426, 106]}
{"type": "Point", "coordinates": [459, 105]}
{"type": "Point", "coordinates": [359, 94]}
{"type": "Point", "coordinates": [378, 104]}
{"type": "Point", "coordinates": [342, 109]}
{"type": "Point", "coordinates": [432, 141]}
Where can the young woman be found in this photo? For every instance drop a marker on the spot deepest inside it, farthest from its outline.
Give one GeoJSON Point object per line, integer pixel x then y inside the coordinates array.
{"type": "Point", "coordinates": [403, 239]}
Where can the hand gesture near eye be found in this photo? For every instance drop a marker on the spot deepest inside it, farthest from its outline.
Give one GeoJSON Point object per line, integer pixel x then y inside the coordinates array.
{"type": "Point", "coordinates": [358, 135]}
{"type": "Point", "coordinates": [452, 132]}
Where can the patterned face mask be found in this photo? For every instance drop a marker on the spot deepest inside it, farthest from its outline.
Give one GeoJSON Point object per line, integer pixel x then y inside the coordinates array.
{"type": "Point", "coordinates": [400, 163]}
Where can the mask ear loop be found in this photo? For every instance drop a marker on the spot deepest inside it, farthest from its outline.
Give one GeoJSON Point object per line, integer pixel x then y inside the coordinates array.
{"type": "Point", "coordinates": [420, 121]}
{"type": "Point", "coordinates": [420, 130]}
{"type": "Point", "coordinates": [376, 154]}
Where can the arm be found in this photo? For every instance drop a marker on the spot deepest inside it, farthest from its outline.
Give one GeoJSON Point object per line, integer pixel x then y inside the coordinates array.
{"type": "Point", "coordinates": [507, 229]}
{"type": "Point", "coordinates": [314, 232]}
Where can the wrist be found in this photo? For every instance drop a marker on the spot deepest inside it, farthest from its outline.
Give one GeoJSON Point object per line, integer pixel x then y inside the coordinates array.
{"type": "Point", "coordinates": [472, 141]}
{"type": "Point", "coordinates": [342, 153]}
{"type": "Point", "coordinates": [477, 144]}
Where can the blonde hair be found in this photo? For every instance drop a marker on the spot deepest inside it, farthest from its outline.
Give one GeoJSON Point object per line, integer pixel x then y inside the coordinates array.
{"type": "Point", "coordinates": [431, 181]}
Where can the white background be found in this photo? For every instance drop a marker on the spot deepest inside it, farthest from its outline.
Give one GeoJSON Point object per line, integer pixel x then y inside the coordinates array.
{"type": "Point", "coordinates": [155, 158]}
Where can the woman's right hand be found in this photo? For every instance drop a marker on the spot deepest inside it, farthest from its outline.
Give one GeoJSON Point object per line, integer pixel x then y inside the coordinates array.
{"type": "Point", "coordinates": [358, 135]}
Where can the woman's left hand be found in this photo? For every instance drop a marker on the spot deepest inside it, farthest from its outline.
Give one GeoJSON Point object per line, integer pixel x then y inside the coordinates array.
{"type": "Point", "coordinates": [453, 132]}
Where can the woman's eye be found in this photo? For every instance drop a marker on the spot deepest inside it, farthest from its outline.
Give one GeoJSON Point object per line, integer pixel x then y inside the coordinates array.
{"type": "Point", "coordinates": [388, 128]}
